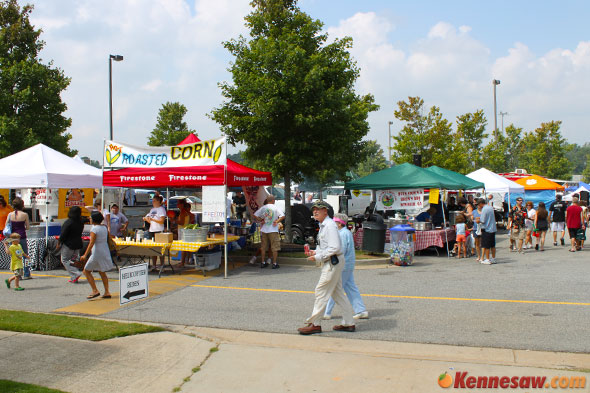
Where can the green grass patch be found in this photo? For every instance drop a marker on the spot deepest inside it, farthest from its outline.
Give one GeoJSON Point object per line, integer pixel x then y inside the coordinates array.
{"type": "Point", "coordinates": [214, 349]}
{"type": "Point", "coordinates": [70, 327]}
{"type": "Point", "coordinates": [18, 387]}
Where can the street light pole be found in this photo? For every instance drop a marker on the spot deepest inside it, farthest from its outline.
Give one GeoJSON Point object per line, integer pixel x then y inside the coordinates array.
{"type": "Point", "coordinates": [495, 82]}
{"type": "Point", "coordinates": [111, 58]}
{"type": "Point", "coordinates": [502, 114]}
{"type": "Point", "coordinates": [389, 123]}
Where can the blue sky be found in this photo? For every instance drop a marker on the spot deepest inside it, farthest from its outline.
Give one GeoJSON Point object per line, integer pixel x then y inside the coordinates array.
{"type": "Point", "coordinates": [446, 52]}
{"type": "Point", "coordinates": [542, 25]}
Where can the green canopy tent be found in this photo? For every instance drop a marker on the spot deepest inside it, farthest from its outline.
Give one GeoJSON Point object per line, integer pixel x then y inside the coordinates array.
{"type": "Point", "coordinates": [402, 176]}
{"type": "Point", "coordinates": [411, 176]}
{"type": "Point", "coordinates": [462, 182]}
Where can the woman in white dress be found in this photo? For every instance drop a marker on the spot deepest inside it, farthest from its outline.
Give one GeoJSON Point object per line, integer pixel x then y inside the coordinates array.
{"type": "Point", "coordinates": [100, 260]}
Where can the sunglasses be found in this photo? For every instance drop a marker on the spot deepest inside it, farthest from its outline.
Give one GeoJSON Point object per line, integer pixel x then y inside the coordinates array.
{"type": "Point", "coordinates": [519, 200]}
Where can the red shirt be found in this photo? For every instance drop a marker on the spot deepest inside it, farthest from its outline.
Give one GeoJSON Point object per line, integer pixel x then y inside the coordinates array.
{"type": "Point", "coordinates": [574, 219]}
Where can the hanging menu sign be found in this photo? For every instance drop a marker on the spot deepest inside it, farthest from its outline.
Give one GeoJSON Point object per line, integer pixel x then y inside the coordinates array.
{"type": "Point", "coordinates": [403, 199]}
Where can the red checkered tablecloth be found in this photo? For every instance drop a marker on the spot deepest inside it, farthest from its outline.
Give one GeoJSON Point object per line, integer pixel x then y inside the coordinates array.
{"type": "Point", "coordinates": [424, 239]}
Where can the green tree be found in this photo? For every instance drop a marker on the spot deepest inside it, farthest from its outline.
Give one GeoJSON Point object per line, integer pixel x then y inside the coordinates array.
{"type": "Point", "coordinates": [577, 156]}
{"type": "Point", "coordinates": [374, 162]}
{"type": "Point", "coordinates": [545, 152]}
{"type": "Point", "coordinates": [429, 135]}
{"type": "Point", "coordinates": [237, 157]}
{"type": "Point", "coordinates": [170, 128]}
{"type": "Point", "coordinates": [31, 109]}
{"type": "Point", "coordinates": [586, 173]}
{"type": "Point", "coordinates": [292, 99]}
{"type": "Point", "coordinates": [503, 153]}
{"type": "Point", "coordinates": [471, 129]}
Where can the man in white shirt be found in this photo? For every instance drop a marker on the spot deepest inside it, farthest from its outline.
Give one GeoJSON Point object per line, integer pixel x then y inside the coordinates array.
{"type": "Point", "coordinates": [329, 255]}
{"type": "Point", "coordinates": [270, 215]}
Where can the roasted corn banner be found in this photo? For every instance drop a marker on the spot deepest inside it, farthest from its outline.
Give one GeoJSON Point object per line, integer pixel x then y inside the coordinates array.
{"type": "Point", "coordinates": [202, 153]}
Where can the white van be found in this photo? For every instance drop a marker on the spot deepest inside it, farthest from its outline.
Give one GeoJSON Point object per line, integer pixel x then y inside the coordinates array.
{"type": "Point", "coordinates": [358, 200]}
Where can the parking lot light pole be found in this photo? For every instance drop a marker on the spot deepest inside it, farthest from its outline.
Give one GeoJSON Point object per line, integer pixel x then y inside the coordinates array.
{"type": "Point", "coordinates": [389, 123]}
{"type": "Point", "coordinates": [111, 58]}
{"type": "Point", "coordinates": [495, 82]}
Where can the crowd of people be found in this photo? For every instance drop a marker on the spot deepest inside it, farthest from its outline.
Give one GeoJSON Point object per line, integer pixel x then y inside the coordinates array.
{"type": "Point", "coordinates": [527, 226]}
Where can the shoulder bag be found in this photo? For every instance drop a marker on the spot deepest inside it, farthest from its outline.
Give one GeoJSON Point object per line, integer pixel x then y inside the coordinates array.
{"type": "Point", "coordinates": [7, 227]}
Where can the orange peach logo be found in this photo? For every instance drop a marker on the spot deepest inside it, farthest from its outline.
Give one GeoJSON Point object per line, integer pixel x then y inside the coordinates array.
{"type": "Point", "coordinates": [445, 380]}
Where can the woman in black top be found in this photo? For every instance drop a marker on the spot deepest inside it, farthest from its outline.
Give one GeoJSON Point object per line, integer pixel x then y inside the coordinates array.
{"type": "Point", "coordinates": [70, 242]}
{"type": "Point", "coordinates": [542, 224]}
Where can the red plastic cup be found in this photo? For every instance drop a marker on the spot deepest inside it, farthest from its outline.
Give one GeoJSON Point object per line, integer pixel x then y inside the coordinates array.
{"type": "Point", "coordinates": [306, 248]}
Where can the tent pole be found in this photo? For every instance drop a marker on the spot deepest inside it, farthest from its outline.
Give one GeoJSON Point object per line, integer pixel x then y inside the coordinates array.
{"type": "Point", "coordinates": [225, 231]}
{"type": "Point", "coordinates": [167, 218]}
{"type": "Point", "coordinates": [104, 144]}
{"type": "Point", "coordinates": [442, 204]}
{"type": "Point", "coordinates": [46, 215]}
{"type": "Point", "coordinates": [225, 209]}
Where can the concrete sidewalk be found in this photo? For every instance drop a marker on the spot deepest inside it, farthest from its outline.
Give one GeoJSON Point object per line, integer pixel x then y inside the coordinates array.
{"type": "Point", "coordinates": [262, 362]}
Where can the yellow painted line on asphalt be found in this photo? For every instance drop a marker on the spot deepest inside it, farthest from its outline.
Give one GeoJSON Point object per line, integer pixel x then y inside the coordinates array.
{"type": "Point", "coordinates": [156, 287]}
{"type": "Point", "coordinates": [402, 296]}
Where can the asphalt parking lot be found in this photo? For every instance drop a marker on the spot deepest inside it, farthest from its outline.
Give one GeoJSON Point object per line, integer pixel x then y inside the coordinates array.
{"type": "Point", "coordinates": [537, 300]}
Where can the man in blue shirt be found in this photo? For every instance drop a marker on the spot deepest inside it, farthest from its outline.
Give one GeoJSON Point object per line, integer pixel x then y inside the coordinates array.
{"type": "Point", "coordinates": [487, 221]}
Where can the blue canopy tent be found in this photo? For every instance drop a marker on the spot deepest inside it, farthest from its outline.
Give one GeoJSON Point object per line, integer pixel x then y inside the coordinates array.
{"type": "Point", "coordinates": [574, 187]}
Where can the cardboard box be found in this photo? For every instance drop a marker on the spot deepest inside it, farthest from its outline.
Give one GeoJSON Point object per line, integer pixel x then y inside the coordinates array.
{"type": "Point", "coordinates": [164, 237]}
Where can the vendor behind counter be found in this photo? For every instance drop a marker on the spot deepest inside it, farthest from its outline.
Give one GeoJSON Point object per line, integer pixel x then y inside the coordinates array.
{"type": "Point", "coordinates": [433, 214]}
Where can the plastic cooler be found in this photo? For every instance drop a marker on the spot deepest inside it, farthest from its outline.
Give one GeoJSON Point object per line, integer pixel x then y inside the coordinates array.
{"type": "Point", "coordinates": [208, 260]}
{"type": "Point", "coordinates": [402, 245]}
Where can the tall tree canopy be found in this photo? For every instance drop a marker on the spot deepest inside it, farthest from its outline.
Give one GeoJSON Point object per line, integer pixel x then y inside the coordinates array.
{"type": "Point", "coordinates": [432, 136]}
{"type": "Point", "coordinates": [503, 153]}
{"type": "Point", "coordinates": [545, 152]}
{"type": "Point", "coordinates": [374, 161]}
{"type": "Point", "coordinates": [292, 100]}
{"type": "Point", "coordinates": [170, 128]}
{"type": "Point", "coordinates": [31, 109]}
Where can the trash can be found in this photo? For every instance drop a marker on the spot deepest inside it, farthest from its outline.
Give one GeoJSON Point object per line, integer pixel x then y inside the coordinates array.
{"type": "Point", "coordinates": [374, 234]}
{"type": "Point", "coordinates": [402, 245]}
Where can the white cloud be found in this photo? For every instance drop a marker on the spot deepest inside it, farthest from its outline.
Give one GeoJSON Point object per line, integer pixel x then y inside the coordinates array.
{"type": "Point", "coordinates": [152, 85]}
{"type": "Point", "coordinates": [173, 52]}
{"type": "Point", "coordinates": [451, 69]}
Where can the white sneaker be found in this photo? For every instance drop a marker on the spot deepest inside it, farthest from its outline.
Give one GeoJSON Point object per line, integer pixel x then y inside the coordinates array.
{"type": "Point", "coordinates": [486, 262]}
{"type": "Point", "coordinates": [327, 316]}
{"type": "Point", "coordinates": [361, 315]}
{"type": "Point", "coordinates": [493, 260]}
{"type": "Point", "coordinates": [253, 260]}
{"type": "Point", "coordinates": [269, 261]}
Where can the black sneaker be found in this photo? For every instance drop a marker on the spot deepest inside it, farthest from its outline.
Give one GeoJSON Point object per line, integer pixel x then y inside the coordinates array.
{"type": "Point", "coordinates": [536, 247]}
{"type": "Point", "coordinates": [555, 244]}
{"type": "Point", "coordinates": [562, 242]}
{"type": "Point", "coordinates": [263, 265]}
{"type": "Point", "coordinates": [275, 266]}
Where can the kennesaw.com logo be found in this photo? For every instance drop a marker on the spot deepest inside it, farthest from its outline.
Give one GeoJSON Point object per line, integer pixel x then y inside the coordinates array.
{"type": "Point", "coordinates": [463, 381]}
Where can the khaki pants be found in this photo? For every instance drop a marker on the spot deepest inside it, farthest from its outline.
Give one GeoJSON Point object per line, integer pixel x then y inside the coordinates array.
{"type": "Point", "coordinates": [330, 284]}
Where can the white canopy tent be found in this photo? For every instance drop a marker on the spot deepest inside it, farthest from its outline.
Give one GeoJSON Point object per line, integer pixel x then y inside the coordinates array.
{"type": "Point", "coordinates": [495, 183]}
{"type": "Point", "coordinates": [42, 167]}
{"type": "Point", "coordinates": [568, 197]}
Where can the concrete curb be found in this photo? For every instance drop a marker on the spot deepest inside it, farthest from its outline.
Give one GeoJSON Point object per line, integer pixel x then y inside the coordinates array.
{"type": "Point", "coordinates": [398, 350]}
